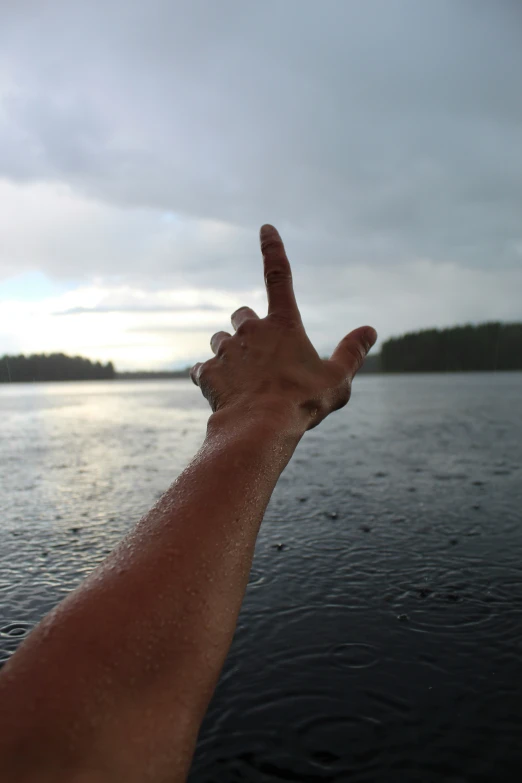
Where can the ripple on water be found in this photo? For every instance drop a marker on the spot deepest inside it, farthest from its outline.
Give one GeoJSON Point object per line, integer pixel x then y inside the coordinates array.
{"type": "Point", "coordinates": [341, 744]}
{"type": "Point", "coordinates": [264, 756]}
{"type": "Point", "coordinates": [11, 634]}
{"type": "Point", "coordinates": [323, 682]}
{"type": "Point", "coordinates": [446, 609]}
{"type": "Point", "coordinates": [353, 655]}
{"type": "Point", "coordinates": [257, 578]}
{"type": "Point", "coordinates": [15, 630]}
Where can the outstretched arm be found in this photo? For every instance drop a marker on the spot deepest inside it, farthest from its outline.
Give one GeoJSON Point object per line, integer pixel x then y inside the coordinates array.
{"type": "Point", "coordinates": [113, 684]}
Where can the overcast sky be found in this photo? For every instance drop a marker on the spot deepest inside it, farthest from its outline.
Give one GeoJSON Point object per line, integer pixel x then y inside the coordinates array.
{"type": "Point", "coordinates": [142, 144]}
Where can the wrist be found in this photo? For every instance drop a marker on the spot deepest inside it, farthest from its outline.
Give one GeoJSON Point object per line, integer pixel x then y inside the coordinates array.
{"type": "Point", "coordinates": [274, 423]}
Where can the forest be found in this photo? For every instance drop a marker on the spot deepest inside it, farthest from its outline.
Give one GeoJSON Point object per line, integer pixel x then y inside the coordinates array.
{"type": "Point", "coordinates": [53, 367]}
{"type": "Point", "coordinates": [486, 346]}
{"type": "Point", "coordinates": [483, 347]}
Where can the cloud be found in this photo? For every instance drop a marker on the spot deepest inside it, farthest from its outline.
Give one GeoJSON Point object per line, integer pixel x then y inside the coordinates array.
{"type": "Point", "coordinates": [172, 329]}
{"type": "Point", "coordinates": [143, 145]}
{"type": "Point", "coordinates": [395, 300]}
{"type": "Point", "coordinates": [50, 227]}
{"type": "Point", "coordinates": [389, 118]}
{"type": "Point", "coordinates": [94, 310]}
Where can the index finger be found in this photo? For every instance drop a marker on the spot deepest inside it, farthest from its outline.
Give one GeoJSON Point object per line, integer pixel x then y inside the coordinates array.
{"type": "Point", "coordinates": [278, 275]}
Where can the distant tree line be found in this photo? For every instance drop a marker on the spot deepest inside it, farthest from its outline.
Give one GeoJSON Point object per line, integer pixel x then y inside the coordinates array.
{"type": "Point", "coordinates": [372, 363]}
{"type": "Point", "coordinates": [487, 346]}
{"type": "Point", "coordinates": [152, 375]}
{"type": "Point", "coordinates": [52, 367]}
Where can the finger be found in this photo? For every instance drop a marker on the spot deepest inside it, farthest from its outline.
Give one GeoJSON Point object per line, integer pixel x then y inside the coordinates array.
{"type": "Point", "coordinates": [242, 314]}
{"type": "Point", "coordinates": [351, 351]}
{"type": "Point", "coordinates": [194, 373]}
{"type": "Point", "coordinates": [278, 275]}
{"type": "Point", "coordinates": [217, 339]}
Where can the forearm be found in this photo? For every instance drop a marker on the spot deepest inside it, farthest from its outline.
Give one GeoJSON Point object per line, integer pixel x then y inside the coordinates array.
{"type": "Point", "coordinates": [118, 677]}
{"type": "Point", "coordinates": [114, 683]}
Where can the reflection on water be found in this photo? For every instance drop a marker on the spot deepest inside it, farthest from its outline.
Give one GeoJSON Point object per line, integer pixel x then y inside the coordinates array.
{"type": "Point", "coordinates": [380, 634]}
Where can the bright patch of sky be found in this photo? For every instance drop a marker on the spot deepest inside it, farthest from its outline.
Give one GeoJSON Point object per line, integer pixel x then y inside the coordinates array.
{"type": "Point", "coordinates": [29, 287]}
{"type": "Point", "coordinates": [142, 146]}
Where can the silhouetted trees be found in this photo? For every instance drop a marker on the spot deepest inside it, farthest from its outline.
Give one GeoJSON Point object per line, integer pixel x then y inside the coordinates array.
{"type": "Point", "coordinates": [152, 375]}
{"type": "Point", "coordinates": [52, 367]}
{"type": "Point", "coordinates": [372, 363]}
{"type": "Point", "coordinates": [488, 346]}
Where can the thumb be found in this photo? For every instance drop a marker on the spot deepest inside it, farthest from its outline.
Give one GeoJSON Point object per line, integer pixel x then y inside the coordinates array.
{"type": "Point", "coordinates": [351, 351]}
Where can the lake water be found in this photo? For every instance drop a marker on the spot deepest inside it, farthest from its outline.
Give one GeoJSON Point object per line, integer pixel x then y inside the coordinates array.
{"type": "Point", "coordinates": [383, 641]}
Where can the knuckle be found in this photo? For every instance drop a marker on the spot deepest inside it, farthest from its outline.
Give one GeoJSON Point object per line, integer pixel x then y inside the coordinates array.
{"type": "Point", "coordinates": [206, 371]}
{"type": "Point", "coordinates": [240, 310]}
{"type": "Point", "coordinates": [277, 276]}
{"type": "Point", "coordinates": [283, 320]}
{"type": "Point", "coordinates": [356, 354]}
{"type": "Point", "coordinates": [270, 243]}
{"type": "Point", "coordinates": [193, 373]}
{"type": "Point", "coordinates": [202, 374]}
{"type": "Point", "coordinates": [223, 347]}
{"type": "Point", "coordinates": [360, 353]}
{"type": "Point", "coordinates": [246, 327]}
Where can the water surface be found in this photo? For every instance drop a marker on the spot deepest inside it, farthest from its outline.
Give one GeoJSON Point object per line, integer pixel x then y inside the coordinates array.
{"type": "Point", "coordinates": [381, 633]}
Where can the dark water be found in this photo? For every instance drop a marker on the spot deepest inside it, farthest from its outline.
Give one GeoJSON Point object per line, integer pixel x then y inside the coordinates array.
{"type": "Point", "coordinates": [382, 641]}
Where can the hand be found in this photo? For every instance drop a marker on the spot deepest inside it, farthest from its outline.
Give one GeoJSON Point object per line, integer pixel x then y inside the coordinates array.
{"type": "Point", "coordinates": [269, 367]}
